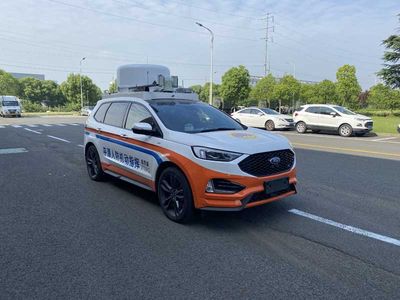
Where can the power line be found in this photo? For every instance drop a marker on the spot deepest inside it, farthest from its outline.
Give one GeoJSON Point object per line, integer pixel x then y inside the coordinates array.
{"type": "Point", "coordinates": [137, 20]}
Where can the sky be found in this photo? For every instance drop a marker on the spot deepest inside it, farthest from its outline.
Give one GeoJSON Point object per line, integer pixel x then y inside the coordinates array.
{"type": "Point", "coordinates": [309, 39]}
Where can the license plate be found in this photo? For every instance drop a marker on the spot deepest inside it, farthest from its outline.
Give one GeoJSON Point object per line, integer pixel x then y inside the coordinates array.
{"type": "Point", "coordinates": [276, 185]}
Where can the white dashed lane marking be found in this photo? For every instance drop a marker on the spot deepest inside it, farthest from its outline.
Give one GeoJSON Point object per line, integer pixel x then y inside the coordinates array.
{"type": "Point", "coordinates": [16, 126]}
{"type": "Point", "coordinates": [31, 125]}
{"type": "Point", "coordinates": [352, 229]}
{"type": "Point", "coordinates": [59, 139]}
{"type": "Point", "coordinates": [80, 146]}
{"type": "Point", "coordinates": [385, 139]}
{"type": "Point", "coordinates": [60, 124]}
{"type": "Point", "coordinates": [34, 131]}
{"type": "Point", "coordinates": [47, 125]}
{"type": "Point", "coordinates": [13, 150]}
{"type": "Point", "coordinates": [1, 126]}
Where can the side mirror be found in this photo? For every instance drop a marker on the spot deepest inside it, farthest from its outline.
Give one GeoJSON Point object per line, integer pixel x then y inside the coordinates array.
{"type": "Point", "coordinates": [143, 128]}
{"type": "Point", "coordinates": [260, 114]}
{"type": "Point", "coordinates": [333, 114]}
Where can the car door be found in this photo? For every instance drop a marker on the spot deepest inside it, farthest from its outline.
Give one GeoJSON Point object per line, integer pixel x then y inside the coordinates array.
{"type": "Point", "coordinates": [311, 116]}
{"type": "Point", "coordinates": [141, 157]}
{"type": "Point", "coordinates": [257, 118]}
{"type": "Point", "coordinates": [329, 120]}
{"type": "Point", "coordinates": [244, 116]}
{"type": "Point", "coordinates": [110, 135]}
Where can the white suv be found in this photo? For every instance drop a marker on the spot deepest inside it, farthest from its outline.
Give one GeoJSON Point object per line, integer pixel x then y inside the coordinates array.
{"type": "Point", "coordinates": [324, 117]}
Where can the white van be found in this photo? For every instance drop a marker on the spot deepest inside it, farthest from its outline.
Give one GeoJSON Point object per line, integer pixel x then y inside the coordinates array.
{"type": "Point", "coordinates": [10, 106]}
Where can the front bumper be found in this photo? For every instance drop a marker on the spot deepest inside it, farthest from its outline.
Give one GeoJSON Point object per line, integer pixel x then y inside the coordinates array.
{"type": "Point", "coordinates": [288, 125]}
{"type": "Point", "coordinates": [252, 195]}
{"type": "Point", "coordinates": [11, 113]}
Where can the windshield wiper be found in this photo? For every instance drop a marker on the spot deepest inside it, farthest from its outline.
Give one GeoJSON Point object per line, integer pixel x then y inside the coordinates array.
{"type": "Point", "coordinates": [217, 129]}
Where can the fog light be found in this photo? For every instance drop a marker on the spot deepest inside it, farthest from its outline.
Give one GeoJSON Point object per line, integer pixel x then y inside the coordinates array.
{"type": "Point", "coordinates": [210, 187]}
{"type": "Point", "coordinates": [222, 186]}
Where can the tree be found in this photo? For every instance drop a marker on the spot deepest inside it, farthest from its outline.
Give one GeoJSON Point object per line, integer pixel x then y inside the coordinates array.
{"type": "Point", "coordinates": [113, 87]}
{"type": "Point", "coordinates": [391, 72]}
{"type": "Point", "coordinates": [308, 93]}
{"type": "Point", "coordinates": [72, 91]}
{"type": "Point", "coordinates": [8, 84]}
{"type": "Point", "coordinates": [383, 97]}
{"type": "Point", "coordinates": [347, 85]}
{"type": "Point", "coordinates": [41, 91]}
{"type": "Point", "coordinates": [205, 92]}
{"type": "Point", "coordinates": [326, 92]}
{"type": "Point", "coordinates": [235, 86]}
{"type": "Point", "coordinates": [197, 89]}
{"type": "Point", "coordinates": [287, 91]}
{"type": "Point", "coordinates": [264, 89]}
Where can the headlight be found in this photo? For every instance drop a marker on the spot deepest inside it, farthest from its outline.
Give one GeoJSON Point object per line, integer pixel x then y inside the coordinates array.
{"type": "Point", "coordinates": [214, 154]}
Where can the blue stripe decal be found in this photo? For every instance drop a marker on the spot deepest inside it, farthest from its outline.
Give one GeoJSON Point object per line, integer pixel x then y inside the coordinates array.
{"type": "Point", "coordinates": [134, 147]}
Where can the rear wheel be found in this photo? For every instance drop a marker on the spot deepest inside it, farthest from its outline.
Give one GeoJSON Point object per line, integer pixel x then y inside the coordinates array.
{"type": "Point", "coordinates": [270, 125]}
{"type": "Point", "coordinates": [175, 195]}
{"type": "Point", "coordinates": [301, 127]}
{"type": "Point", "coordinates": [345, 130]}
{"type": "Point", "coordinates": [93, 164]}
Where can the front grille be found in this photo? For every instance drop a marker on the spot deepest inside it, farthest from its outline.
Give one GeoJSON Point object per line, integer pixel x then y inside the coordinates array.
{"type": "Point", "coordinates": [368, 124]}
{"type": "Point", "coordinates": [262, 164]}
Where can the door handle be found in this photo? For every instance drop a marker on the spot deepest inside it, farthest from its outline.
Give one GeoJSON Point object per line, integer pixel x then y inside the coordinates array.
{"type": "Point", "coordinates": [123, 135]}
{"type": "Point", "coordinates": [98, 129]}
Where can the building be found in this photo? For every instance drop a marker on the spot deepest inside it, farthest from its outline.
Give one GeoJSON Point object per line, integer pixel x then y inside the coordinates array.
{"type": "Point", "coordinates": [26, 75]}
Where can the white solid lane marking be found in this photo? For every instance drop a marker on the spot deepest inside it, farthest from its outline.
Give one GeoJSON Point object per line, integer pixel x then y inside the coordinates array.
{"type": "Point", "coordinates": [352, 229]}
{"type": "Point", "coordinates": [57, 138]}
{"type": "Point", "coordinates": [385, 139]}
{"type": "Point", "coordinates": [31, 125]}
{"type": "Point", "coordinates": [80, 146]}
{"type": "Point", "coordinates": [34, 131]}
{"type": "Point", "coordinates": [16, 126]}
{"type": "Point", "coordinates": [13, 150]}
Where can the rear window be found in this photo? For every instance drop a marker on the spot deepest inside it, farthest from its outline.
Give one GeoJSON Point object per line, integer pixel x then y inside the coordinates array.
{"type": "Point", "coordinates": [115, 114]}
{"type": "Point", "coordinates": [299, 108]}
{"type": "Point", "coordinates": [101, 112]}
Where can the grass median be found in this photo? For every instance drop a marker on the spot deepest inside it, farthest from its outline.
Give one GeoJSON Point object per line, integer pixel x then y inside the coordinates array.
{"type": "Point", "coordinates": [386, 124]}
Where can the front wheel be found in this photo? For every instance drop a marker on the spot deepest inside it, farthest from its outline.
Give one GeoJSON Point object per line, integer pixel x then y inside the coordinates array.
{"type": "Point", "coordinates": [93, 164]}
{"type": "Point", "coordinates": [175, 195]}
{"type": "Point", "coordinates": [270, 125]}
{"type": "Point", "coordinates": [345, 130]}
{"type": "Point", "coordinates": [301, 127]}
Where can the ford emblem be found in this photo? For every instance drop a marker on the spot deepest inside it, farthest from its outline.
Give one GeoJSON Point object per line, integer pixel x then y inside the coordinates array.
{"type": "Point", "coordinates": [275, 160]}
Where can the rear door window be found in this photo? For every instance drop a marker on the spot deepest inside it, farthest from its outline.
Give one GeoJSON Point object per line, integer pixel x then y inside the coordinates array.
{"type": "Point", "coordinates": [326, 111]}
{"type": "Point", "coordinates": [115, 114]}
{"type": "Point", "coordinates": [313, 109]}
{"type": "Point", "coordinates": [138, 114]}
{"type": "Point", "coordinates": [101, 112]}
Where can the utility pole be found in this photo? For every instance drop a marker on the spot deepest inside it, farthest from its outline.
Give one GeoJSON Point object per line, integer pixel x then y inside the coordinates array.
{"type": "Point", "coordinates": [80, 79]}
{"type": "Point", "coordinates": [269, 29]}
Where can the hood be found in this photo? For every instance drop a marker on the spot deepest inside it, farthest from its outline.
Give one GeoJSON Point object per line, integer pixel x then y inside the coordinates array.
{"type": "Point", "coordinates": [248, 141]}
{"type": "Point", "coordinates": [362, 117]}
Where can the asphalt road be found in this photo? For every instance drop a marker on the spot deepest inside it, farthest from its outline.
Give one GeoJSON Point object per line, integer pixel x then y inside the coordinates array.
{"type": "Point", "coordinates": [65, 236]}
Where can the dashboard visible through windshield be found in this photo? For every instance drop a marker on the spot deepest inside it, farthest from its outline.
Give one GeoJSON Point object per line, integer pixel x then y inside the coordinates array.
{"type": "Point", "coordinates": [193, 116]}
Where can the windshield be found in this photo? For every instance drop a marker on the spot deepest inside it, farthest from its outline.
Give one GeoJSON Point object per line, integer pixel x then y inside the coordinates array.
{"type": "Point", "coordinates": [344, 110]}
{"type": "Point", "coordinates": [192, 116]}
{"type": "Point", "coordinates": [10, 103]}
{"type": "Point", "coordinates": [269, 111]}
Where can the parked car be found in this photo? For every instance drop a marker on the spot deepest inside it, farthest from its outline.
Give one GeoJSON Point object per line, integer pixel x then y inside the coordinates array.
{"type": "Point", "coordinates": [325, 117]}
{"type": "Point", "coordinates": [86, 110]}
{"type": "Point", "coordinates": [10, 106]}
{"type": "Point", "coordinates": [263, 118]}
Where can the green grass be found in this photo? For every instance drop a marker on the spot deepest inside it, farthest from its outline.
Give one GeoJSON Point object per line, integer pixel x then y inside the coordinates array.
{"type": "Point", "coordinates": [386, 124]}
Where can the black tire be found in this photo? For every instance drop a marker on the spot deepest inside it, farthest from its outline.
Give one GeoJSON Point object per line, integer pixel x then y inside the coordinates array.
{"type": "Point", "coordinates": [301, 127]}
{"type": "Point", "coordinates": [360, 133]}
{"type": "Point", "coordinates": [175, 195]}
{"type": "Point", "coordinates": [270, 125]}
{"type": "Point", "coordinates": [93, 164]}
{"type": "Point", "coordinates": [345, 130]}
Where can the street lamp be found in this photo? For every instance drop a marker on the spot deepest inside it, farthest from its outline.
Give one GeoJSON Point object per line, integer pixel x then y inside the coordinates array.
{"type": "Point", "coordinates": [80, 79]}
{"type": "Point", "coordinates": [212, 65]}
